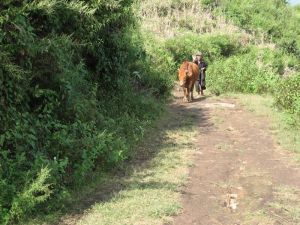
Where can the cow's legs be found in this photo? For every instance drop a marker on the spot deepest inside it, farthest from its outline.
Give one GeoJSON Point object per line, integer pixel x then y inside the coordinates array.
{"type": "Point", "coordinates": [188, 94]}
{"type": "Point", "coordinates": [185, 94]}
{"type": "Point", "coordinates": [192, 90]}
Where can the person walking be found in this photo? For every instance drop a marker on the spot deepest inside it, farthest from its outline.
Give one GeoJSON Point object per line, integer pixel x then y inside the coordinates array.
{"type": "Point", "coordinates": [200, 83]}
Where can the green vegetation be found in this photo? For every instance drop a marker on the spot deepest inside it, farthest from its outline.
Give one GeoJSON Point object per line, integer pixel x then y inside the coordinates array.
{"type": "Point", "coordinates": [81, 81]}
{"type": "Point", "coordinates": [297, 11]}
{"type": "Point", "coordinates": [150, 192]}
{"type": "Point", "coordinates": [263, 69]}
{"type": "Point", "coordinates": [255, 51]}
{"type": "Point", "coordinates": [142, 184]}
{"type": "Point", "coordinates": [79, 86]}
{"type": "Point", "coordinates": [214, 47]}
{"type": "Point", "coordinates": [271, 20]}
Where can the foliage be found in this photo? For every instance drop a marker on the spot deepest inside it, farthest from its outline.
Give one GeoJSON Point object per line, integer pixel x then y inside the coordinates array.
{"type": "Point", "coordinates": [296, 9]}
{"type": "Point", "coordinates": [80, 83]}
{"type": "Point", "coordinates": [246, 69]}
{"type": "Point", "coordinates": [241, 73]}
{"type": "Point", "coordinates": [271, 19]}
{"type": "Point", "coordinates": [213, 47]}
{"type": "Point", "coordinates": [71, 100]}
{"type": "Point", "coordinates": [288, 96]}
{"type": "Point", "coordinates": [260, 71]}
{"type": "Point", "coordinates": [38, 191]}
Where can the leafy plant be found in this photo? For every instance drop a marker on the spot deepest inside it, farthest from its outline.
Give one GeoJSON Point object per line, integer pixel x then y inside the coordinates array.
{"type": "Point", "coordinates": [70, 102]}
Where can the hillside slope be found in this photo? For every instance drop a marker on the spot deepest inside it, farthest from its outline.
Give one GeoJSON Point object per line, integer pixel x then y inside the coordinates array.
{"type": "Point", "coordinates": [251, 47]}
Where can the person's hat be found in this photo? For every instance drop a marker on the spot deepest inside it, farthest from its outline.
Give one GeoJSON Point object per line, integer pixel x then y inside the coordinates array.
{"type": "Point", "coordinates": [199, 53]}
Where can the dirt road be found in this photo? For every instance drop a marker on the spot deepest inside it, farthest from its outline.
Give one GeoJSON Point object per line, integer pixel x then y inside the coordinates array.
{"type": "Point", "coordinates": [215, 157]}
{"type": "Point", "coordinates": [240, 174]}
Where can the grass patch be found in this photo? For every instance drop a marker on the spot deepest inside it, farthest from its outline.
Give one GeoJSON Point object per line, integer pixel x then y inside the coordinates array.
{"type": "Point", "coordinates": [223, 146]}
{"type": "Point", "coordinates": [151, 195]}
{"type": "Point", "coordinates": [146, 190]}
{"type": "Point", "coordinates": [283, 209]}
{"type": "Point", "coordinates": [260, 217]}
{"type": "Point", "coordinates": [285, 132]}
{"type": "Point", "coordinates": [286, 202]}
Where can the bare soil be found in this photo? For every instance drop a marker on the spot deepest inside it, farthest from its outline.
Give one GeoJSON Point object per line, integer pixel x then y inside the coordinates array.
{"type": "Point", "coordinates": [240, 175]}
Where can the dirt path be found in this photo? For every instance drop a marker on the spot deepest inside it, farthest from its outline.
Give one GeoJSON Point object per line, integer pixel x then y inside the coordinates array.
{"type": "Point", "coordinates": [237, 173]}
{"type": "Point", "coordinates": [241, 176]}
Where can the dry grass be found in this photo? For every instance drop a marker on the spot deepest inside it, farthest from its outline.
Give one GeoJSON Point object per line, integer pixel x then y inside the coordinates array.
{"type": "Point", "coordinates": [167, 19]}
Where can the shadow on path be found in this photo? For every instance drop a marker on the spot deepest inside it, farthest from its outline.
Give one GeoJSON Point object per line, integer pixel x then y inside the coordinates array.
{"type": "Point", "coordinates": [179, 116]}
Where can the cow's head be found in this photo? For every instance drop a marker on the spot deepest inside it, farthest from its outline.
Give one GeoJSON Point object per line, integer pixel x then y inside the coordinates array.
{"type": "Point", "coordinates": [183, 73]}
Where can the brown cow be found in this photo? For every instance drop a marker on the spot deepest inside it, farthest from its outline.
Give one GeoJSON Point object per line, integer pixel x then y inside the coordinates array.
{"type": "Point", "coordinates": [188, 73]}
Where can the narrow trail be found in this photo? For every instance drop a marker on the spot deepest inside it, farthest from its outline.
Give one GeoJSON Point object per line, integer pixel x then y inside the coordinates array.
{"type": "Point", "coordinates": [240, 174]}
{"type": "Point", "coordinates": [237, 173]}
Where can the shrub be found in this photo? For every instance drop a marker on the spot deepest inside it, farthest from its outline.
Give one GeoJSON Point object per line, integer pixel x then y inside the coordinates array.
{"type": "Point", "coordinates": [273, 20]}
{"type": "Point", "coordinates": [70, 102]}
{"type": "Point", "coordinates": [244, 73]}
{"type": "Point", "coordinates": [287, 96]}
{"type": "Point", "coordinates": [34, 193]}
{"type": "Point", "coordinates": [213, 47]}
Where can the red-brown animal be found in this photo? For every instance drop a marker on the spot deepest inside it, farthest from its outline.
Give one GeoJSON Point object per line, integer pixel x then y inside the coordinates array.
{"type": "Point", "coordinates": [188, 73]}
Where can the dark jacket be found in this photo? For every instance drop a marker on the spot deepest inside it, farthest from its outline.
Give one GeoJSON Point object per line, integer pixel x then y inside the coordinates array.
{"type": "Point", "coordinates": [201, 64]}
{"type": "Point", "coordinates": [201, 79]}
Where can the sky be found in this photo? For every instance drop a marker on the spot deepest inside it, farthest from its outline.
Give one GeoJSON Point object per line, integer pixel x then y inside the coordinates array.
{"type": "Point", "coordinates": [294, 2]}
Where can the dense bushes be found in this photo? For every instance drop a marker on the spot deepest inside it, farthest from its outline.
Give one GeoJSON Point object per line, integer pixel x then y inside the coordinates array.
{"type": "Point", "coordinates": [213, 47]}
{"type": "Point", "coordinates": [245, 69]}
{"type": "Point", "coordinates": [231, 67]}
{"type": "Point", "coordinates": [259, 71]}
{"type": "Point", "coordinates": [253, 71]}
{"type": "Point", "coordinates": [235, 66]}
{"type": "Point", "coordinates": [241, 73]}
{"type": "Point", "coordinates": [271, 70]}
{"type": "Point", "coordinates": [79, 84]}
{"type": "Point", "coordinates": [271, 20]}
{"type": "Point", "coordinates": [77, 91]}
{"type": "Point", "coordinates": [287, 96]}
